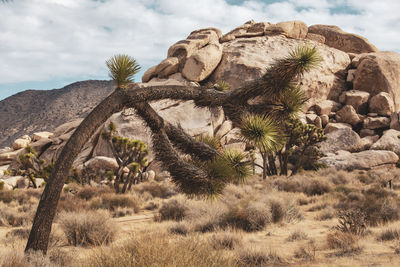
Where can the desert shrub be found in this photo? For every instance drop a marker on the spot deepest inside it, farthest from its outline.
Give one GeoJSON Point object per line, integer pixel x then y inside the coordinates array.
{"type": "Point", "coordinates": [174, 209]}
{"type": "Point", "coordinates": [88, 192]}
{"type": "Point", "coordinates": [226, 240]}
{"type": "Point", "coordinates": [277, 210]}
{"type": "Point", "coordinates": [160, 190]}
{"type": "Point", "coordinates": [10, 216]}
{"type": "Point", "coordinates": [308, 185]}
{"type": "Point", "coordinates": [249, 216]}
{"type": "Point", "coordinates": [22, 233]}
{"type": "Point", "coordinates": [297, 235]}
{"type": "Point", "coordinates": [346, 243]}
{"type": "Point", "coordinates": [326, 215]}
{"type": "Point", "coordinates": [22, 196]}
{"type": "Point", "coordinates": [68, 202]}
{"type": "Point", "coordinates": [179, 228]}
{"type": "Point", "coordinates": [339, 177]}
{"type": "Point", "coordinates": [15, 258]}
{"type": "Point", "coordinates": [318, 207]}
{"type": "Point", "coordinates": [389, 234]}
{"type": "Point", "coordinates": [140, 250]}
{"type": "Point", "coordinates": [257, 257]}
{"type": "Point", "coordinates": [306, 252]}
{"type": "Point", "coordinates": [87, 228]}
{"type": "Point", "coordinates": [112, 202]}
{"type": "Point", "coordinates": [317, 186]}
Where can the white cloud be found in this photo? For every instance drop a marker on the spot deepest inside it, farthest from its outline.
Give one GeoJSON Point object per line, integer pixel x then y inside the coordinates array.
{"type": "Point", "coordinates": [44, 40]}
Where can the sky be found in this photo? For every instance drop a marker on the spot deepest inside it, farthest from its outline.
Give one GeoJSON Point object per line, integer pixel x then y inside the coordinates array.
{"type": "Point", "coordinates": [47, 44]}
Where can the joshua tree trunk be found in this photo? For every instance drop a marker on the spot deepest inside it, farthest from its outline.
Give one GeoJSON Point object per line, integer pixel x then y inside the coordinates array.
{"type": "Point", "coordinates": [188, 177]}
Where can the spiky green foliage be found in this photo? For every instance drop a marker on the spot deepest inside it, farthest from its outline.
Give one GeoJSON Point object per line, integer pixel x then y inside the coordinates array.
{"type": "Point", "coordinates": [222, 86]}
{"type": "Point", "coordinates": [122, 68]}
{"type": "Point", "coordinates": [128, 153]}
{"type": "Point", "coordinates": [237, 161]}
{"type": "Point", "coordinates": [261, 132]}
{"type": "Point", "coordinates": [32, 167]}
{"type": "Point", "coordinates": [212, 141]}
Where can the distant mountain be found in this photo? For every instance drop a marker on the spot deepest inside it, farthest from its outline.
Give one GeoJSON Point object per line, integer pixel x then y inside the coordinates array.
{"type": "Point", "coordinates": [43, 110]}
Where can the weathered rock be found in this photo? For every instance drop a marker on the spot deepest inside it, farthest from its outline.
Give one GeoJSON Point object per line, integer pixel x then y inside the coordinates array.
{"type": "Point", "coordinates": [341, 139]}
{"type": "Point", "coordinates": [325, 107]}
{"type": "Point", "coordinates": [233, 136]}
{"type": "Point", "coordinates": [13, 181]}
{"type": "Point", "coordinates": [389, 141]}
{"type": "Point", "coordinates": [8, 157]}
{"type": "Point", "coordinates": [357, 99]}
{"type": "Point", "coordinates": [364, 160]}
{"type": "Point", "coordinates": [149, 73]}
{"type": "Point", "coordinates": [174, 79]}
{"type": "Point", "coordinates": [376, 123]}
{"type": "Point", "coordinates": [316, 37]}
{"type": "Point", "coordinates": [20, 143]}
{"type": "Point", "coordinates": [167, 67]}
{"type": "Point", "coordinates": [292, 29]}
{"type": "Point", "coordinates": [351, 74]}
{"type": "Point", "coordinates": [100, 162]}
{"type": "Point", "coordinates": [151, 175]}
{"type": "Point", "coordinates": [395, 121]}
{"type": "Point", "coordinates": [324, 120]}
{"type": "Point", "coordinates": [348, 115]}
{"type": "Point", "coordinates": [40, 135]}
{"type": "Point", "coordinates": [379, 72]}
{"type": "Point", "coordinates": [366, 132]}
{"type": "Point", "coordinates": [337, 38]}
{"type": "Point", "coordinates": [258, 27]}
{"type": "Point", "coordinates": [217, 117]}
{"type": "Point", "coordinates": [368, 141]}
{"type": "Point", "coordinates": [247, 59]}
{"type": "Point", "coordinates": [202, 63]}
{"type": "Point", "coordinates": [224, 128]}
{"type": "Point", "coordinates": [334, 126]}
{"type": "Point", "coordinates": [382, 104]}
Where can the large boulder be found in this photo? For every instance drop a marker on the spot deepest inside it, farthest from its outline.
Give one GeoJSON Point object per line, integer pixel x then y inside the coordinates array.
{"type": "Point", "coordinates": [382, 104]}
{"type": "Point", "coordinates": [389, 141]}
{"type": "Point", "coordinates": [364, 160]}
{"type": "Point", "coordinates": [342, 139]}
{"type": "Point", "coordinates": [7, 157]}
{"type": "Point", "coordinates": [347, 42]}
{"type": "Point", "coordinates": [100, 162]}
{"type": "Point", "coordinates": [292, 29]}
{"type": "Point", "coordinates": [348, 115]}
{"type": "Point", "coordinates": [247, 59]}
{"type": "Point", "coordinates": [20, 143]}
{"type": "Point", "coordinates": [357, 99]}
{"type": "Point", "coordinates": [202, 63]}
{"type": "Point", "coordinates": [379, 72]}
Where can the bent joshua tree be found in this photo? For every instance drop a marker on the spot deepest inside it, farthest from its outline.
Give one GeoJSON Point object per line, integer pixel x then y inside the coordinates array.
{"type": "Point", "coordinates": [168, 139]}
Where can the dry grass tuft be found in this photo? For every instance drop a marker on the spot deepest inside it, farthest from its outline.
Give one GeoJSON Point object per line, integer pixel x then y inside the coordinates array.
{"type": "Point", "coordinates": [160, 190]}
{"type": "Point", "coordinates": [389, 234]}
{"type": "Point", "coordinates": [306, 252]}
{"type": "Point", "coordinates": [226, 240]}
{"type": "Point", "coordinates": [345, 243]}
{"type": "Point", "coordinates": [179, 228]}
{"type": "Point", "coordinates": [113, 202]}
{"type": "Point", "coordinates": [296, 236]}
{"type": "Point", "coordinates": [257, 257]}
{"type": "Point", "coordinates": [87, 228]}
{"type": "Point", "coordinates": [174, 209]}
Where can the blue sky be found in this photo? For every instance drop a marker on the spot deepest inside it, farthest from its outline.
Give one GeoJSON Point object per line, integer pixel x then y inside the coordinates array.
{"type": "Point", "coordinates": [46, 44]}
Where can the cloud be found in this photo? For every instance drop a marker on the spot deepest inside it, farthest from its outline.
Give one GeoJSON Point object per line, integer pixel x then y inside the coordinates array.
{"type": "Point", "coordinates": [63, 39]}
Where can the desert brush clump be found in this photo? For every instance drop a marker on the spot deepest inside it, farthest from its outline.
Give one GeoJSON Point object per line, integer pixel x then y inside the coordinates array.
{"type": "Point", "coordinates": [87, 228]}
{"type": "Point", "coordinates": [345, 243]}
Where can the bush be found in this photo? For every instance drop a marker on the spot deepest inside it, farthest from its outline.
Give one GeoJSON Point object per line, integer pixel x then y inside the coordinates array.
{"type": "Point", "coordinates": [297, 235]}
{"type": "Point", "coordinates": [88, 192]}
{"type": "Point", "coordinates": [389, 234]}
{"type": "Point", "coordinates": [306, 252]}
{"type": "Point", "coordinates": [179, 229]}
{"type": "Point", "coordinates": [256, 257]}
{"type": "Point", "coordinates": [345, 243]}
{"type": "Point", "coordinates": [160, 190]}
{"type": "Point", "coordinates": [89, 228]}
{"type": "Point", "coordinates": [112, 202]}
{"type": "Point", "coordinates": [225, 241]}
{"type": "Point", "coordinates": [307, 185]}
{"type": "Point", "coordinates": [174, 209]}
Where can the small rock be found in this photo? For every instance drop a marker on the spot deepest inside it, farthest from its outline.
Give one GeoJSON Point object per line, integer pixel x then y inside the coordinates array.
{"type": "Point", "coordinates": [366, 132]}
{"type": "Point", "coordinates": [40, 135]}
{"type": "Point", "coordinates": [325, 107]}
{"type": "Point", "coordinates": [351, 75]}
{"type": "Point", "coordinates": [341, 139]}
{"type": "Point", "coordinates": [389, 141]}
{"type": "Point", "coordinates": [357, 99]}
{"type": "Point", "coordinates": [395, 121]}
{"type": "Point", "coordinates": [376, 123]}
{"type": "Point", "coordinates": [348, 115]}
{"type": "Point", "coordinates": [334, 126]}
{"type": "Point", "coordinates": [368, 141]}
{"type": "Point", "coordinates": [224, 128]}
{"type": "Point", "coordinates": [324, 120]}
{"type": "Point", "coordinates": [20, 143]}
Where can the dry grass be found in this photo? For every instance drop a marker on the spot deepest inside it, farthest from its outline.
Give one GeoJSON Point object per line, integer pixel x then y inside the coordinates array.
{"type": "Point", "coordinates": [113, 202]}
{"type": "Point", "coordinates": [258, 257]}
{"type": "Point", "coordinates": [89, 228]}
{"type": "Point", "coordinates": [346, 244]}
{"type": "Point", "coordinates": [174, 209]}
{"type": "Point", "coordinates": [164, 189]}
{"type": "Point", "coordinates": [297, 235]}
{"type": "Point", "coordinates": [226, 240]}
{"type": "Point", "coordinates": [389, 234]}
{"type": "Point", "coordinates": [306, 252]}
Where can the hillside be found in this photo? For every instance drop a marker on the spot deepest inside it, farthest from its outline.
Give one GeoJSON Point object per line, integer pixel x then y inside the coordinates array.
{"type": "Point", "coordinates": [43, 110]}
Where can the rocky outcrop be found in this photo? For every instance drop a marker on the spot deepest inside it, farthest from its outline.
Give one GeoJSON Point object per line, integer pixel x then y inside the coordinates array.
{"type": "Point", "coordinates": [342, 139]}
{"type": "Point", "coordinates": [292, 29]}
{"type": "Point", "coordinates": [357, 99]}
{"type": "Point", "coordinates": [379, 72]}
{"type": "Point", "coordinates": [364, 160]}
{"type": "Point", "coordinates": [382, 104]}
{"type": "Point", "coordinates": [347, 42]}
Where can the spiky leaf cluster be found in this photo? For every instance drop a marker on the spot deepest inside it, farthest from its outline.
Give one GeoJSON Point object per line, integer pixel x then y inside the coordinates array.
{"type": "Point", "coordinates": [122, 68]}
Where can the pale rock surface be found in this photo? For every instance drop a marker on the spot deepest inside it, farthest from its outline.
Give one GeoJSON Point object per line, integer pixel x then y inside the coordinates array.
{"type": "Point", "coordinates": [167, 67]}
{"type": "Point", "coordinates": [382, 104]}
{"type": "Point", "coordinates": [341, 139]}
{"type": "Point", "coordinates": [395, 121]}
{"type": "Point", "coordinates": [379, 72]}
{"type": "Point", "coordinates": [366, 132]}
{"type": "Point", "coordinates": [316, 37]}
{"type": "Point", "coordinates": [368, 141]}
{"type": "Point", "coordinates": [389, 141]}
{"type": "Point", "coordinates": [148, 74]}
{"type": "Point", "coordinates": [292, 29]}
{"type": "Point", "coordinates": [334, 126]}
{"type": "Point", "coordinates": [224, 128]}
{"type": "Point", "coordinates": [376, 123]}
{"type": "Point", "coordinates": [41, 135]}
{"type": "Point", "coordinates": [357, 99]}
{"type": "Point", "coordinates": [347, 42]}
{"type": "Point", "coordinates": [232, 136]}
{"type": "Point", "coordinates": [364, 160]}
{"type": "Point", "coordinates": [8, 157]}
{"type": "Point", "coordinates": [247, 59]}
{"type": "Point", "coordinates": [325, 107]}
{"type": "Point", "coordinates": [20, 143]}
{"type": "Point", "coordinates": [324, 120]}
{"type": "Point", "coordinates": [348, 115]}
{"type": "Point", "coordinates": [351, 75]}
{"type": "Point", "coordinates": [101, 162]}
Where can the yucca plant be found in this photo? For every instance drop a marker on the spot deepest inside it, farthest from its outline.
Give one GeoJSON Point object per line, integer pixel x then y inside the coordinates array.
{"type": "Point", "coordinates": [261, 132]}
{"type": "Point", "coordinates": [122, 68]}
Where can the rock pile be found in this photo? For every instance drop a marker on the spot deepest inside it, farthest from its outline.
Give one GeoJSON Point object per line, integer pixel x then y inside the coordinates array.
{"type": "Point", "coordinates": [354, 94]}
